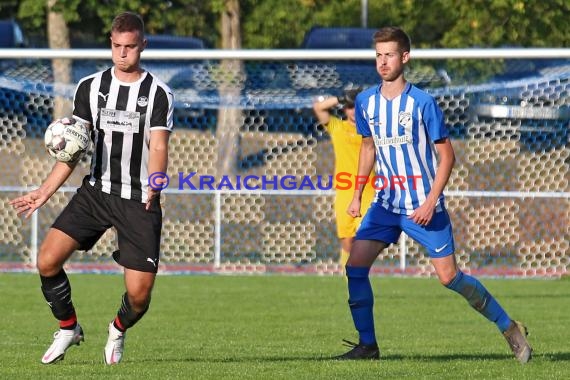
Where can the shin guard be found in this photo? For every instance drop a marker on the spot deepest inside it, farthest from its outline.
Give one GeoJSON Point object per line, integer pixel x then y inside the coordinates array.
{"type": "Point", "coordinates": [361, 302]}
{"type": "Point", "coordinates": [480, 299]}
{"type": "Point", "coordinates": [126, 315]}
{"type": "Point", "coordinates": [57, 293]}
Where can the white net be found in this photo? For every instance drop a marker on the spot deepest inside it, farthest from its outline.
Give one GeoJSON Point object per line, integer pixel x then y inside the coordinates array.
{"type": "Point", "coordinates": [510, 134]}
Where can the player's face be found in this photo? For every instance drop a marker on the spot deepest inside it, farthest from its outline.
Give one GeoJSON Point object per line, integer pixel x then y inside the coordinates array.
{"type": "Point", "coordinates": [390, 61]}
{"type": "Point", "coordinates": [126, 48]}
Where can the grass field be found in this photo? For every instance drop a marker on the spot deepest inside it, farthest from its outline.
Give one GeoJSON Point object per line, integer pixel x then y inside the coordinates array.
{"type": "Point", "coordinates": [280, 327]}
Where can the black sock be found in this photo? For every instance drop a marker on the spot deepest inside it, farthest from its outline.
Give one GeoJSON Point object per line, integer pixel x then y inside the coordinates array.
{"type": "Point", "coordinates": [57, 293]}
{"type": "Point", "coordinates": [126, 316]}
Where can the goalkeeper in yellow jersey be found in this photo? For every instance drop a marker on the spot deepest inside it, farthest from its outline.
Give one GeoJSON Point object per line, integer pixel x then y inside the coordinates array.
{"type": "Point", "coordinates": [346, 144]}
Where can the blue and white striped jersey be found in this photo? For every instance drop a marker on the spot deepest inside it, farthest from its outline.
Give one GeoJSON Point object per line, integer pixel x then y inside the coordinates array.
{"type": "Point", "coordinates": [403, 130]}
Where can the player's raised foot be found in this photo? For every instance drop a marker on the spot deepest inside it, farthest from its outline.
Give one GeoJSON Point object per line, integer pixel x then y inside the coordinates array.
{"type": "Point", "coordinates": [359, 352]}
{"type": "Point", "coordinates": [115, 345]}
{"type": "Point", "coordinates": [516, 338]}
{"type": "Point", "coordinates": [62, 340]}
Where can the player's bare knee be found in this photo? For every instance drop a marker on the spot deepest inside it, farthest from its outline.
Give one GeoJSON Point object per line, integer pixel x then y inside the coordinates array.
{"type": "Point", "coordinates": [139, 301]}
{"type": "Point", "coordinates": [354, 261]}
{"type": "Point", "coordinates": [446, 278]}
{"type": "Point", "coordinates": [139, 294]}
{"type": "Point", "coordinates": [142, 306]}
{"type": "Point", "coordinates": [364, 252]}
{"type": "Point", "coordinates": [132, 310]}
{"type": "Point", "coordinates": [46, 266]}
{"type": "Point", "coordinates": [44, 270]}
{"type": "Point", "coordinates": [445, 281]}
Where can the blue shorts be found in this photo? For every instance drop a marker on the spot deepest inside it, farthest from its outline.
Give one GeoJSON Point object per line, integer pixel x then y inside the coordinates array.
{"type": "Point", "coordinates": [382, 225]}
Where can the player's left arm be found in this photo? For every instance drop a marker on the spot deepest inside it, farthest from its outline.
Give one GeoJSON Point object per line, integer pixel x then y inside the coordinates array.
{"type": "Point", "coordinates": [423, 214]}
{"type": "Point", "coordinates": [158, 158]}
{"type": "Point", "coordinates": [161, 123]}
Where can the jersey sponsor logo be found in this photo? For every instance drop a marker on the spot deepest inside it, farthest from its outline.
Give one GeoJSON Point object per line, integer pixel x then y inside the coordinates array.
{"type": "Point", "coordinates": [119, 121]}
{"type": "Point", "coordinates": [396, 140]}
{"type": "Point", "coordinates": [142, 101]}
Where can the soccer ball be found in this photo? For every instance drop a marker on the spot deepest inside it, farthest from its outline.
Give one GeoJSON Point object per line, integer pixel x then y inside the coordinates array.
{"type": "Point", "coordinates": [67, 139]}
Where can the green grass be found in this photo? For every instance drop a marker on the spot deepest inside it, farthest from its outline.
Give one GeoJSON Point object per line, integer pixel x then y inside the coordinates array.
{"type": "Point", "coordinates": [279, 327]}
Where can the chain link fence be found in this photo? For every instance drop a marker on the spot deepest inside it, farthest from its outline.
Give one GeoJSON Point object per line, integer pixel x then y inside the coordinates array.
{"type": "Point", "coordinates": [508, 195]}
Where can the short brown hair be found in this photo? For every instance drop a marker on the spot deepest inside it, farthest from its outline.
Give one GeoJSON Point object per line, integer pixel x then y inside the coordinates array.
{"type": "Point", "coordinates": [393, 34]}
{"type": "Point", "coordinates": [128, 22]}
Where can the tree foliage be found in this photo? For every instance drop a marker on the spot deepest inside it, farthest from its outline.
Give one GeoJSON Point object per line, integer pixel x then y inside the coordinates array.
{"type": "Point", "coordinates": [283, 23]}
{"type": "Point", "coordinates": [497, 23]}
{"type": "Point", "coordinates": [90, 20]}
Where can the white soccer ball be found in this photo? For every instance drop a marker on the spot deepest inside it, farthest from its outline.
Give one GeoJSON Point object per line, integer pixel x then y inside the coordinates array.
{"type": "Point", "coordinates": [67, 139]}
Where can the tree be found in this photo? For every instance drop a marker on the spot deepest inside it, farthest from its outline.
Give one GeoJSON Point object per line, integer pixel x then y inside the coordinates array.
{"type": "Point", "coordinates": [283, 23]}
{"type": "Point", "coordinates": [495, 23]}
{"type": "Point", "coordinates": [228, 128]}
{"type": "Point", "coordinates": [90, 19]}
{"type": "Point", "coordinates": [58, 38]}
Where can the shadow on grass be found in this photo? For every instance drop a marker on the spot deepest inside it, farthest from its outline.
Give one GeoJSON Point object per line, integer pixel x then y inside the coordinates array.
{"type": "Point", "coordinates": [538, 296]}
{"type": "Point", "coordinates": [549, 357]}
{"type": "Point", "coordinates": [554, 356]}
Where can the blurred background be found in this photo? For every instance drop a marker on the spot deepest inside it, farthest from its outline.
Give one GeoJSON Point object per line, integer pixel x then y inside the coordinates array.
{"type": "Point", "coordinates": [282, 24]}
{"type": "Point", "coordinates": [508, 117]}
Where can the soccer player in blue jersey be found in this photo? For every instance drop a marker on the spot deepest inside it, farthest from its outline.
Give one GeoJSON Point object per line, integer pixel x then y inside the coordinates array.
{"type": "Point", "coordinates": [404, 132]}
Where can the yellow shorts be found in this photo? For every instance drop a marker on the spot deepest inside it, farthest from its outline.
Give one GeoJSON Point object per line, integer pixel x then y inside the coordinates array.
{"type": "Point", "coordinates": [346, 225]}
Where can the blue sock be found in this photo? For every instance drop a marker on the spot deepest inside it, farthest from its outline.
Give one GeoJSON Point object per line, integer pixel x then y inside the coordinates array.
{"type": "Point", "coordinates": [361, 302]}
{"type": "Point", "coordinates": [480, 299]}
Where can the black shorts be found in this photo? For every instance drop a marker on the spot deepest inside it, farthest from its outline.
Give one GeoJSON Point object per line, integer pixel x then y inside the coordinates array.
{"type": "Point", "coordinates": [91, 212]}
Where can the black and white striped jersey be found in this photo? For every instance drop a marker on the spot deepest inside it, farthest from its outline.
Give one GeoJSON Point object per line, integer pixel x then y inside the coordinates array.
{"type": "Point", "coordinates": [122, 115]}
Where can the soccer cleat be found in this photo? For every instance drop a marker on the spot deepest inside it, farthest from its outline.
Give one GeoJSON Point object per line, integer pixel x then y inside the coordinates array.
{"type": "Point", "coordinates": [359, 352]}
{"type": "Point", "coordinates": [115, 345]}
{"type": "Point", "coordinates": [516, 338]}
{"type": "Point", "coordinates": [62, 340]}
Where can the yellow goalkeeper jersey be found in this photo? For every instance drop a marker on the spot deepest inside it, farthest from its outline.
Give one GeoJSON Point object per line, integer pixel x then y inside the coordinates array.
{"type": "Point", "coordinates": [346, 144]}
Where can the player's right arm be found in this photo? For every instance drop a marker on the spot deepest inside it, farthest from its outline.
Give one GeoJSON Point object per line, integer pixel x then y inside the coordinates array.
{"type": "Point", "coordinates": [365, 164]}
{"type": "Point", "coordinates": [33, 200]}
{"type": "Point", "coordinates": [322, 109]}
{"type": "Point", "coordinates": [30, 202]}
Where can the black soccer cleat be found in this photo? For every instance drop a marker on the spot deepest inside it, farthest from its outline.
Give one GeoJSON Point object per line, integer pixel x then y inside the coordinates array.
{"type": "Point", "coordinates": [359, 352]}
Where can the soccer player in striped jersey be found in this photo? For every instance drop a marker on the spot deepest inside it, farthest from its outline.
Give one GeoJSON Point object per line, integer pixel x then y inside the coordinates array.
{"type": "Point", "coordinates": [130, 114]}
{"type": "Point", "coordinates": [346, 144]}
{"type": "Point", "coordinates": [404, 132]}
